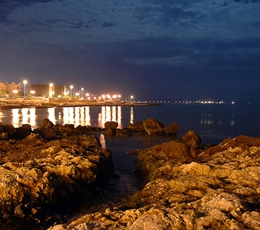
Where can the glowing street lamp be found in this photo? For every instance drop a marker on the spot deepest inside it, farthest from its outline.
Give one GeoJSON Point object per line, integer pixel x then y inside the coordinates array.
{"type": "Point", "coordinates": [82, 89]}
{"type": "Point", "coordinates": [132, 97]}
{"type": "Point", "coordinates": [51, 91]}
{"type": "Point", "coordinates": [71, 87]}
{"type": "Point", "coordinates": [24, 83]}
{"type": "Point", "coordinates": [32, 92]}
{"type": "Point", "coordinates": [15, 91]}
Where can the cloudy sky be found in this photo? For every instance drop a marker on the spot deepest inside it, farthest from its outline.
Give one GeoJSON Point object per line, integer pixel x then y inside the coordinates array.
{"type": "Point", "coordinates": [152, 49]}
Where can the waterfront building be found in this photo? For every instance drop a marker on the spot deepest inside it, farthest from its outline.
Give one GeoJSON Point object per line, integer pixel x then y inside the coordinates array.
{"type": "Point", "coordinates": [13, 88]}
{"type": "Point", "coordinates": [48, 90]}
{"type": "Point", "coordinates": [9, 89]}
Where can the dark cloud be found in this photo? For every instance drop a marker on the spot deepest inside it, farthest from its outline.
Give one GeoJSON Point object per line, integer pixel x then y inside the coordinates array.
{"type": "Point", "coordinates": [151, 46]}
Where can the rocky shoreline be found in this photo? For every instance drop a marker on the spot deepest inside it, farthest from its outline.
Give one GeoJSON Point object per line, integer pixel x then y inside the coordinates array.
{"type": "Point", "coordinates": [186, 185]}
{"type": "Point", "coordinates": [219, 189]}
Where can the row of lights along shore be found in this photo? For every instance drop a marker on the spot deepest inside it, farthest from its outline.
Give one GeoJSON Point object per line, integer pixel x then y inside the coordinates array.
{"type": "Point", "coordinates": [76, 93]}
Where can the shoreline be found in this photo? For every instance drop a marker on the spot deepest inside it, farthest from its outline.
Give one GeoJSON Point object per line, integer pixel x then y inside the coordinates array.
{"type": "Point", "coordinates": [16, 104]}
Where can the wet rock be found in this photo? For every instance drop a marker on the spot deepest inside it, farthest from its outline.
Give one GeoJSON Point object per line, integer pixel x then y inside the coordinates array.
{"type": "Point", "coordinates": [23, 131]}
{"type": "Point", "coordinates": [46, 123]}
{"type": "Point", "coordinates": [110, 128]}
{"type": "Point", "coordinates": [172, 129]}
{"type": "Point", "coordinates": [8, 129]}
{"type": "Point", "coordinates": [153, 127]}
{"type": "Point", "coordinates": [124, 132]}
{"type": "Point", "coordinates": [192, 140]}
{"type": "Point", "coordinates": [50, 131]}
{"type": "Point", "coordinates": [137, 127]}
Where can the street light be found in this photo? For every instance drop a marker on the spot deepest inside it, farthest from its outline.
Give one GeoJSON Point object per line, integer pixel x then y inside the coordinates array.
{"type": "Point", "coordinates": [71, 87]}
{"type": "Point", "coordinates": [24, 83]}
{"type": "Point", "coordinates": [132, 97]}
{"type": "Point", "coordinates": [82, 89]}
{"type": "Point", "coordinates": [15, 91]}
{"type": "Point", "coordinates": [50, 89]}
{"type": "Point", "coordinates": [32, 92]}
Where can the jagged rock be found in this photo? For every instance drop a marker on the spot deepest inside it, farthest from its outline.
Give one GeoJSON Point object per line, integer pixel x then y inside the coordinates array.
{"type": "Point", "coordinates": [37, 176]}
{"type": "Point", "coordinates": [50, 131]}
{"type": "Point", "coordinates": [136, 127]}
{"type": "Point", "coordinates": [110, 128]}
{"type": "Point", "coordinates": [169, 153]}
{"type": "Point", "coordinates": [220, 190]}
{"type": "Point", "coordinates": [8, 130]}
{"type": "Point", "coordinates": [171, 130]}
{"type": "Point", "coordinates": [153, 127]}
{"type": "Point", "coordinates": [46, 123]}
{"type": "Point", "coordinates": [123, 133]}
{"type": "Point", "coordinates": [192, 140]}
{"type": "Point", "coordinates": [23, 131]}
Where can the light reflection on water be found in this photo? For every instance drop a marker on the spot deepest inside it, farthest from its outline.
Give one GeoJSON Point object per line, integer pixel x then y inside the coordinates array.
{"type": "Point", "coordinates": [65, 115]}
{"type": "Point", "coordinates": [211, 122]}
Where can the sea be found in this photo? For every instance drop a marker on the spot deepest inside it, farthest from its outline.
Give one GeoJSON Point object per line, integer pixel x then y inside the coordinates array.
{"type": "Point", "coordinates": [212, 122]}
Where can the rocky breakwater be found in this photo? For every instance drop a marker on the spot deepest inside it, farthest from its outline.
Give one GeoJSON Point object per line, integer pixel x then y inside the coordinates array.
{"type": "Point", "coordinates": [149, 127]}
{"type": "Point", "coordinates": [189, 186]}
{"type": "Point", "coordinates": [44, 175]}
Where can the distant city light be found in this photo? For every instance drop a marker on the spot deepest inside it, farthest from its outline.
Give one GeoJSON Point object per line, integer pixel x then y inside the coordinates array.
{"type": "Point", "coordinates": [24, 83]}
{"type": "Point", "coordinates": [15, 91]}
{"type": "Point", "coordinates": [71, 87]}
{"type": "Point", "coordinates": [51, 90]}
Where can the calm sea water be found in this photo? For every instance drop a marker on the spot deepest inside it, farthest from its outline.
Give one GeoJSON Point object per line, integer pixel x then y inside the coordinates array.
{"type": "Point", "coordinates": [212, 122]}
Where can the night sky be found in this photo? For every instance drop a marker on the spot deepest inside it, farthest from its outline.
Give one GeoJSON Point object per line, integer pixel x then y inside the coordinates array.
{"type": "Point", "coordinates": [152, 49]}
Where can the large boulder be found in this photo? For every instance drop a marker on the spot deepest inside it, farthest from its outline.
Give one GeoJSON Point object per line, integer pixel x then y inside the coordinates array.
{"type": "Point", "coordinates": [110, 128]}
{"type": "Point", "coordinates": [46, 123]}
{"type": "Point", "coordinates": [124, 132]}
{"type": "Point", "coordinates": [137, 127]}
{"type": "Point", "coordinates": [7, 131]}
{"type": "Point", "coordinates": [50, 131]}
{"type": "Point", "coordinates": [153, 127]}
{"type": "Point", "coordinates": [192, 140]}
{"type": "Point", "coordinates": [23, 131]}
{"type": "Point", "coordinates": [151, 159]}
{"type": "Point", "coordinates": [172, 129]}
